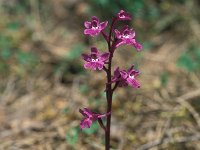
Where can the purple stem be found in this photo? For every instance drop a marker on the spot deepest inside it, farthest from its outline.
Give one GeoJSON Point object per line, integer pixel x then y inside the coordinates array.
{"type": "Point", "coordinates": [101, 124]}
{"type": "Point", "coordinates": [105, 36]}
{"type": "Point", "coordinates": [109, 91]}
{"type": "Point", "coordinates": [116, 85]}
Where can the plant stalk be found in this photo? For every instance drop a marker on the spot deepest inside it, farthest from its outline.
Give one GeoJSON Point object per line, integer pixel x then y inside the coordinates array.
{"type": "Point", "coordinates": [109, 105]}
{"type": "Point", "coordinates": [109, 91]}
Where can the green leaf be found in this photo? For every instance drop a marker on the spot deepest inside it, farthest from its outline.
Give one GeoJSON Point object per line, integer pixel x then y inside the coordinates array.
{"type": "Point", "coordinates": [72, 136]}
{"type": "Point", "coordinates": [5, 42]}
{"type": "Point", "coordinates": [185, 61]}
{"type": "Point", "coordinates": [147, 45]}
{"type": "Point", "coordinates": [4, 67]}
{"type": "Point", "coordinates": [164, 78]}
{"type": "Point", "coordinates": [84, 88]}
{"type": "Point", "coordinates": [93, 129]}
{"type": "Point", "coordinates": [65, 110]}
{"type": "Point", "coordinates": [13, 25]}
{"type": "Point", "coordinates": [75, 52]}
{"type": "Point", "coordinates": [6, 53]}
{"type": "Point", "coordinates": [26, 58]}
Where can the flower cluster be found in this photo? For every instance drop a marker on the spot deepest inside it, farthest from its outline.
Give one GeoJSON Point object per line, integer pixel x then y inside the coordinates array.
{"type": "Point", "coordinates": [97, 60]}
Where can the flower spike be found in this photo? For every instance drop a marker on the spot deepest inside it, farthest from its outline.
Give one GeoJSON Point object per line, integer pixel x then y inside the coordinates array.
{"type": "Point", "coordinates": [103, 61]}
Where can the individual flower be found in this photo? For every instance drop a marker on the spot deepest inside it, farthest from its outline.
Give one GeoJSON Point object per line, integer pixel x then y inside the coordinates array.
{"type": "Point", "coordinates": [90, 117]}
{"type": "Point", "coordinates": [122, 15]}
{"type": "Point", "coordinates": [94, 27]}
{"type": "Point", "coordinates": [125, 78]}
{"type": "Point", "coordinates": [127, 36]}
{"type": "Point", "coordinates": [120, 77]}
{"type": "Point", "coordinates": [95, 59]}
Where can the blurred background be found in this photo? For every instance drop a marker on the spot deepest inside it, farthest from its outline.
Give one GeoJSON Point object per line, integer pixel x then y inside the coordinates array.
{"type": "Point", "coordinates": [43, 83]}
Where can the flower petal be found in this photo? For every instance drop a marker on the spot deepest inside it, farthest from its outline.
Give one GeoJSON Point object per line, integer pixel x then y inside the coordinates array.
{"type": "Point", "coordinates": [116, 72]}
{"type": "Point", "coordinates": [95, 18]}
{"type": "Point", "coordinates": [93, 65]}
{"type": "Point", "coordinates": [134, 83]}
{"type": "Point", "coordinates": [87, 24]}
{"type": "Point", "coordinates": [132, 33]}
{"type": "Point", "coordinates": [86, 57]}
{"type": "Point", "coordinates": [104, 56]}
{"type": "Point", "coordinates": [119, 42]}
{"type": "Point", "coordinates": [85, 123]}
{"type": "Point", "coordinates": [87, 112]}
{"type": "Point", "coordinates": [122, 15]}
{"type": "Point", "coordinates": [129, 41]}
{"type": "Point", "coordinates": [94, 50]}
{"type": "Point", "coordinates": [131, 69]}
{"type": "Point", "coordinates": [138, 46]}
{"type": "Point", "coordinates": [124, 74]}
{"type": "Point", "coordinates": [103, 115]}
{"type": "Point", "coordinates": [117, 33]}
{"type": "Point", "coordinates": [133, 72]}
{"type": "Point", "coordinates": [103, 25]}
{"type": "Point", "coordinates": [82, 112]}
{"type": "Point", "coordinates": [91, 32]}
{"type": "Point", "coordinates": [122, 83]}
{"type": "Point", "coordinates": [88, 65]}
{"type": "Point", "coordinates": [99, 65]}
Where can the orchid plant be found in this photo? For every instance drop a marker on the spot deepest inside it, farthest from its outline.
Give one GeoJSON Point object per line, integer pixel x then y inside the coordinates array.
{"type": "Point", "coordinates": [103, 61]}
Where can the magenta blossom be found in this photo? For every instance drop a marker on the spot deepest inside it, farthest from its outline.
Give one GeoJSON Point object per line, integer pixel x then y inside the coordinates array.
{"type": "Point", "coordinates": [125, 78]}
{"type": "Point", "coordinates": [120, 77]}
{"type": "Point", "coordinates": [94, 27]}
{"type": "Point", "coordinates": [127, 36]}
{"type": "Point", "coordinates": [95, 59]}
{"type": "Point", "coordinates": [122, 15]}
{"type": "Point", "coordinates": [90, 117]}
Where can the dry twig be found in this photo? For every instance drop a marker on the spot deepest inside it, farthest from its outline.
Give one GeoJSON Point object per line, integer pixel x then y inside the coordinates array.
{"type": "Point", "coordinates": [182, 100]}
{"type": "Point", "coordinates": [170, 140]}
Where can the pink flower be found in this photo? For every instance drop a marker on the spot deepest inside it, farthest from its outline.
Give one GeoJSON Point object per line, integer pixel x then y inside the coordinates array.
{"type": "Point", "coordinates": [95, 59]}
{"type": "Point", "coordinates": [127, 36]}
{"type": "Point", "coordinates": [119, 76]}
{"type": "Point", "coordinates": [90, 117]}
{"type": "Point", "coordinates": [94, 27]}
{"type": "Point", "coordinates": [125, 78]}
{"type": "Point", "coordinates": [122, 15]}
